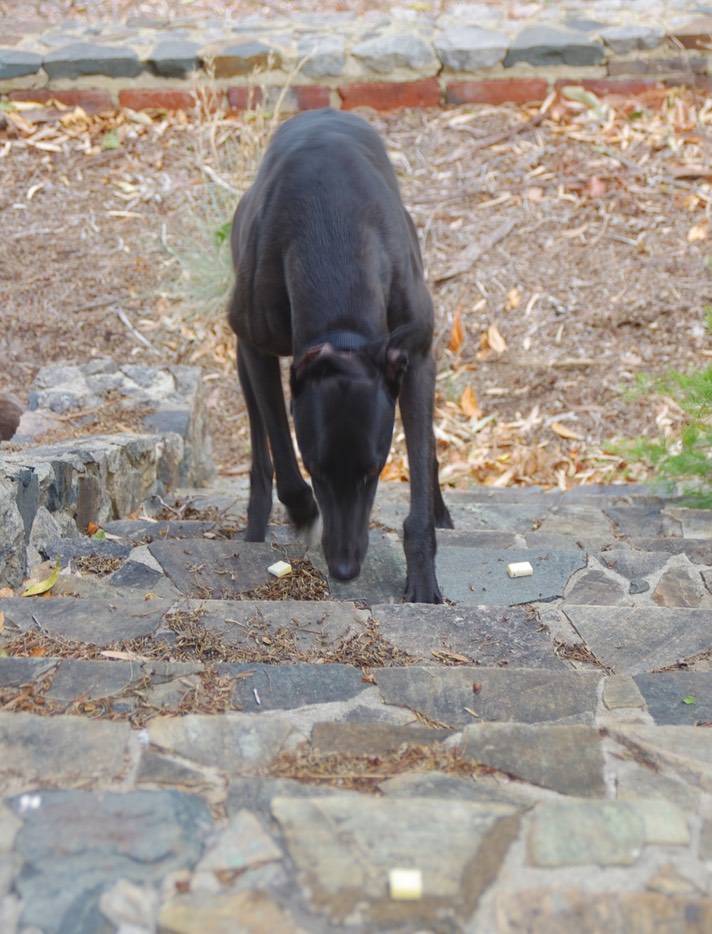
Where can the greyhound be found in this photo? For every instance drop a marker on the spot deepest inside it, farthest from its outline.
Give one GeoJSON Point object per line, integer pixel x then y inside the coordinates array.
{"type": "Point", "coordinates": [328, 271]}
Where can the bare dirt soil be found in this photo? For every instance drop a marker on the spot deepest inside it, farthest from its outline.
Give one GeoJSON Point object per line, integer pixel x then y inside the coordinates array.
{"type": "Point", "coordinates": [567, 250]}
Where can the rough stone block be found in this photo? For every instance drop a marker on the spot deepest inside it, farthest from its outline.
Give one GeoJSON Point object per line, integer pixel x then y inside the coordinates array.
{"type": "Point", "coordinates": [88, 58]}
{"type": "Point", "coordinates": [390, 53]}
{"type": "Point", "coordinates": [466, 48]}
{"type": "Point", "coordinates": [327, 55]}
{"type": "Point", "coordinates": [17, 62]}
{"type": "Point", "coordinates": [545, 45]}
{"type": "Point", "coordinates": [174, 58]}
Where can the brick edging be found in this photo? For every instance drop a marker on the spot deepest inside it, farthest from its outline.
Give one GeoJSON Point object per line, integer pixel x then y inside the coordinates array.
{"type": "Point", "coordinates": [345, 61]}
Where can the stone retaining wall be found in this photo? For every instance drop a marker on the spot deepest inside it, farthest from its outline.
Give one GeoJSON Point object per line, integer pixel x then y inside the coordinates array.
{"type": "Point", "coordinates": [56, 490]}
{"type": "Point", "coordinates": [385, 61]}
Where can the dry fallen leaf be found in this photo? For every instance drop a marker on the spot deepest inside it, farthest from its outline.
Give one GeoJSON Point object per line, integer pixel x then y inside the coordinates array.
{"type": "Point", "coordinates": [6, 592]}
{"type": "Point", "coordinates": [495, 339]}
{"type": "Point", "coordinates": [43, 586]}
{"type": "Point", "coordinates": [596, 187]}
{"type": "Point", "coordinates": [468, 403]}
{"type": "Point", "coordinates": [514, 299]}
{"type": "Point", "coordinates": [2, 620]}
{"type": "Point", "coordinates": [457, 334]}
{"type": "Point", "coordinates": [564, 432]}
{"type": "Point", "coordinates": [698, 232]}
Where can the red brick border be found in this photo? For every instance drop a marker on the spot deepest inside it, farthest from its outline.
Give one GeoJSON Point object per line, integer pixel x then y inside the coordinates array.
{"type": "Point", "coordinates": [497, 91]}
{"type": "Point", "coordinates": [89, 99]}
{"type": "Point", "coordinates": [628, 87]}
{"type": "Point", "coordinates": [158, 99]}
{"type": "Point", "coordinates": [391, 95]}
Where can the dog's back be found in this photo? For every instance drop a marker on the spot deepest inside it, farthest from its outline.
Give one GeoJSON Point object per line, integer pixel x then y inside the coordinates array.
{"type": "Point", "coordinates": [322, 240]}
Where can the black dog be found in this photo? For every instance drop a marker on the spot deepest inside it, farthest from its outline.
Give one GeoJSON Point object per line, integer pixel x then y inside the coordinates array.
{"type": "Point", "coordinates": [328, 271]}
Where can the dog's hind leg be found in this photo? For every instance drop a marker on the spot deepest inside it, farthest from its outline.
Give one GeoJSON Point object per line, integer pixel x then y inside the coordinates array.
{"type": "Point", "coordinates": [261, 383]}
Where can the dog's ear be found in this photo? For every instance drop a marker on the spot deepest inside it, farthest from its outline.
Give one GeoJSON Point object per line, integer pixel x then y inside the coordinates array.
{"type": "Point", "coordinates": [305, 366]}
{"type": "Point", "coordinates": [396, 365]}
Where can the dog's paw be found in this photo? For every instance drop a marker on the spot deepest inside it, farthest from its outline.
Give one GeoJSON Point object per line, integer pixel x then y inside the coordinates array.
{"type": "Point", "coordinates": [419, 592]}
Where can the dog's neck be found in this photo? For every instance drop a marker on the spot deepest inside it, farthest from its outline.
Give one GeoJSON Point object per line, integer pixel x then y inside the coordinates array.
{"type": "Point", "coordinates": [343, 341]}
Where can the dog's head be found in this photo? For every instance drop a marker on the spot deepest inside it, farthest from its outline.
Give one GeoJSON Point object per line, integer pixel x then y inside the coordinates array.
{"type": "Point", "coordinates": [343, 405]}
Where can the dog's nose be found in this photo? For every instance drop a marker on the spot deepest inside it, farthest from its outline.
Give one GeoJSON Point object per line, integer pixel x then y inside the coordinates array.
{"type": "Point", "coordinates": [345, 570]}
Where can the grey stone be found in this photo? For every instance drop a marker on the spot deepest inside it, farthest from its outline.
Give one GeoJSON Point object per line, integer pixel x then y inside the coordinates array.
{"type": "Point", "coordinates": [372, 739]}
{"type": "Point", "coordinates": [455, 697]}
{"type": "Point", "coordinates": [79, 678]}
{"type": "Point", "coordinates": [637, 587]}
{"type": "Point", "coordinates": [545, 45]}
{"type": "Point", "coordinates": [256, 793]}
{"type": "Point", "coordinates": [157, 769]}
{"type": "Point", "coordinates": [232, 742]}
{"type": "Point", "coordinates": [639, 521]}
{"type": "Point", "coordinates": [635, 640]}
{"type": "Point", "coordinates": [81, 547]}
{"type": "Point", "coordinates": [477, 576]}
{"type": "Point", "coordinates": [135, 575]}
{"type": "Point", "coordinates": [15, 671]}
{"type": "Point", "coordinates": [567, 759]}
{"type": "Point", "coordinates": [488, 636]}
{"type": "Point", "coordinates": [344, 850]}
{"type": "Point", "coordinates": [242, 844]}
{"type": "Point", "coordinates": [686, 751]}
{"type": "Point", "coordinates": [621, 692]}
{"type": "Point", "coordinates": [174, 58]}
{"type": "Point", "coordinates": [88, 58]}
{"type": "Point", "coordinates": [602, 833]}
{"type": "Point", "coordinates": [258, 913]}
{"type": "Point", "coordinates": [382, 577]}
{"type": "Point", "coordinates": [215, 569]}
{"type": "Point", "coordinates": [474, 515]}
{"type": "Point", "coordinates": [633, 564]}
{"type": "Point", "coordinates": [624, 39]}
{"type": "Point", "coordinates": [87, 620]}
{"type": "Point", "coordinates": [17, 62]}
{"type": "Point", "coordinates": [596, 588]}
{"type": "Point", "coordinates": [447, 787]}
{"type": "Point", "coordinates": [239, 58]}
{"type": "Point", "coordinates": [260, 688]}
{"type": "Point", "coordinates": [564, 911]}
{"type": "Point", "coordinates": [678, 697]}
{"type": "Point", "coordinates": [577, 520]}
{"type": "Point", "coordinates": [327, 55]}
{"type": "Point", "coordinates": [12, 537]}
{"type": "Point", "coordinates": [57, 750]}
{"type": "Point", "coordinates": [635, 782]}
{"type": "Point", "coordinates": [694, 523]}
{"type": "Point", "coordinates": [312, 626]}
{"type": "Point", "coordinates": [388, 53]}
{"type": "Point", "coordinates": [680, 586]}
{"type": "Point", "coordinates": [466, 48]}
{"type": "Point", "coordinates": [140, 836]}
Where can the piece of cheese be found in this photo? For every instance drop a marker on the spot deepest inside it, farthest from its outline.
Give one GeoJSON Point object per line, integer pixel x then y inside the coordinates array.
{"type": "Point", "coordinates": [405, 884]}
{"type": "Point", "coordinates": [280, 569]}
{"type": "Point", "coordinates": [520, 569]}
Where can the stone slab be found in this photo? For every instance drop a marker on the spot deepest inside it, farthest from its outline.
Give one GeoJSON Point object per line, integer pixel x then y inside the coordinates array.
{"type": "Point", "coordinates": [344, 850]}
{"type": "Point", "coordinates": [678, 697]}
{"type": "Point", "coordinates": [372, 739]}
{"type": "Point", "coordinates": [260, 688]}
{"type": "Point", "coordinates": [444, 786]}
{"type": "Point", "coordinates": [232, 742]}
{"type": "Point", "coordinates": [85, 620]}
{"type": "Point", "coordinates": [477, 576]}
{"type": "Point", "coordinates": [566, 759]}
{"type": "Point", "coordinates": [683, 751]}
{"type": "Point", "coordinates": [544, 46]}
{"type": "Point", "coordinates": [599, 833]}
{"type": "Point", "coordinates": [597, 588]}
{"type": "Point", "coordinates": [621, 692]}
{"type": "Point", "coordinates": [483, 635]}
{"type": "Point", "coordinates": [218, 913]}
{"type": "Point", "coordinates": [561, 911]}
{"type": "Point", "coordinates": [215, 569]}
{"type": "Point", "coordinates": [140, 836]}
{"type": "Point", "coordinates": [634, 640]}
{"type": "Point", "coordinates": [61, 750]}
{"type": "Point", "coordinates": [382, 577]}
{"type": "Point", "coordinates": [457, 697]}
{"type": "Point", "coordinates": [256, 793]}
{"type": "Point", "coordinates": [16, 671]}
{"type": "Point", "coordinates": [86, 679]}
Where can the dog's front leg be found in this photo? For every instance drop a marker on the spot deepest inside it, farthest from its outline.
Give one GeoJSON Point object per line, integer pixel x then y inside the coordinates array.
{"type": "Point", "coordinates": [416, 405]}
{"type": "Point", "coordinates": [262, 385]}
